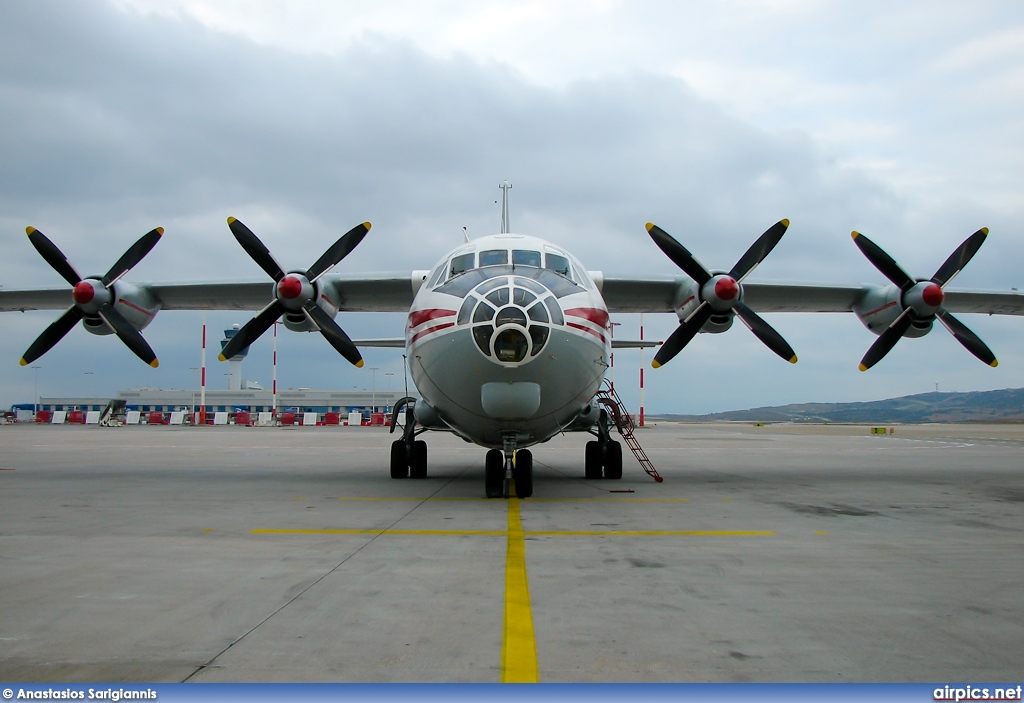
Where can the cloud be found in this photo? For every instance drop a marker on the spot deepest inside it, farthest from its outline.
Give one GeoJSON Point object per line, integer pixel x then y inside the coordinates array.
{"type": "Point", "coordinates": [119, 121]}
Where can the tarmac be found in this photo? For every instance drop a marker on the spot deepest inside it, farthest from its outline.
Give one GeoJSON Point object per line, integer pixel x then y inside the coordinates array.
{"type": "Point", "coordinates": [782, 553]}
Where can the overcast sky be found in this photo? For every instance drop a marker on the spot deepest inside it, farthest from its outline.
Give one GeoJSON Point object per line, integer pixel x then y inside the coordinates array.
{"type": "Point", "coordinates": [902, 120]}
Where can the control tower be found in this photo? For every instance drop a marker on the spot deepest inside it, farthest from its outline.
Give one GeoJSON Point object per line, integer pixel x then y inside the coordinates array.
{"type": "Point", "coordinates": [235, 362]}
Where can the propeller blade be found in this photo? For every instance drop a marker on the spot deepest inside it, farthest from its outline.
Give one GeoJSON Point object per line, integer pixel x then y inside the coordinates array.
{"type": "Point", "coordinates": [959, 258]}
{"type": "Point", "coordinates": [686, 331]}
{"type": "Point", "coordinates": [128, 334]}
{"type": "Point", "coordinates": [765, 332]}
{"type": "Point", "coordinates": [886, 341]}
{"type": "Point", "coordinates": [333, 333]}
{"type": "Point", "coordinates": [52, 334]}
{"type": "Point", "coordinates": [53, 256]}
{"type": "Point", "coordinates": [255, 249]}
{"type": "Point", "coordinates": [758, 250]}
{"type": "Point", "coordinates": [252, 330]}
{"type": "Point", "coordinates": [680, 256]}
{"type": "Point", "coordinates": [133, 256]}
{"type": "Point", "coordinates": [883, 262]}
{"type": "Point", "coordinates": [971, 341]}
{"type": "Point", "coordinates": [338, 251]}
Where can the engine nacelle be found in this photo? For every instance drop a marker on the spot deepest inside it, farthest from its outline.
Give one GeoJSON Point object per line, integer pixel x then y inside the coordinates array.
{"type": "Point", "coordinates": [298, 322]}
{"type": "Point", "coordinates": [879, 308]}
{"type": "Point", "coordinates": [137, 305]}
{"type": "Point", "coordinates": [687, 299]}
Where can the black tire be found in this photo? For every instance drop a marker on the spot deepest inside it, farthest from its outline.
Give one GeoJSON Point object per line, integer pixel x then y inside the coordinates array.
{"type": "Point", "coordinates": [494, 474]}
{"type": "Point", "coordinates": [593, 460]}
{"type": "Point", "coordinates": [613, 461]}
{"type": "Point", "coordinates": [524, 473]}
{"type": "Point", "coordinates": [418, 460]}
{"type": "Point", "coordinates": [399, 462]}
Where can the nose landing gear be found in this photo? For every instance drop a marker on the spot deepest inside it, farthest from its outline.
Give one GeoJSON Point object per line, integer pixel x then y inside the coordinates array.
{"type": "Point", "coordinates": [507, 470]}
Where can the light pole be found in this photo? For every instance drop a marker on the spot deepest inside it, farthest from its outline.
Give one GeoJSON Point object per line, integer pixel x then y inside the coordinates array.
{"type": "Point", "coordinates": [373, 392]}
{"type": "Point", "coordinates": [35, 407]}
{"type": "Point", "coordinates": [389, 374]}
{"type": "Point", "coordinates": [88, 387]}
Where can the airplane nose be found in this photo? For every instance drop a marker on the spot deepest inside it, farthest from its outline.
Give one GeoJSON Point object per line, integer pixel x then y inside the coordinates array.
{"type": "Point", "coordinates": [511, 318]}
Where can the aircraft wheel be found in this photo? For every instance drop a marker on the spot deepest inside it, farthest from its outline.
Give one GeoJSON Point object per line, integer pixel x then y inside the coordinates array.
{"type": "Point", "coordinates": [418, 459]}
{"type": "Point", "coordinates": [593, 460]}
{"type": "Point", "coordinates": [399, 462]}
{"type": "Point", "coordinates": [613, 461]}
{"type": "Point", "coordinates": [524, 473]}
{"type": "Point", "coordinates": [494, 473]}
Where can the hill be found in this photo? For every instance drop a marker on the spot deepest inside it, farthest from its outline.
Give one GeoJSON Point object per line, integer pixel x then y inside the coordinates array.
{"type": "Point", "coordinates": [980, 406]}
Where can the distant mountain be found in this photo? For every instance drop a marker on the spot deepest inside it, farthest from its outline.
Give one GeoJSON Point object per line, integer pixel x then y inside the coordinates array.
{"type": "Point", "coordinates": [981, 406]}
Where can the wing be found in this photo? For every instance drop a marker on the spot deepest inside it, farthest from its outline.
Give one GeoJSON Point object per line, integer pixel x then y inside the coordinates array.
{"type": "Point", "coordinates": [651, 294]}
{"type": "Point", "coordinates": [386, 292]}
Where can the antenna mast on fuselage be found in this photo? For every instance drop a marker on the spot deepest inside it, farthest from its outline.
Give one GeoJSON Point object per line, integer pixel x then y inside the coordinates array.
{"type": "Point", "coordinates": [505, 187]}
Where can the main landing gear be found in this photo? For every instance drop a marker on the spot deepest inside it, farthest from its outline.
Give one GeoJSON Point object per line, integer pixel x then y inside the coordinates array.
{"type": "Point", "coordinates": [408, 454]}
{"type": "Point", "coordinates": [603, 455]}
{"type": "Point", "coordinates": [508, 468]}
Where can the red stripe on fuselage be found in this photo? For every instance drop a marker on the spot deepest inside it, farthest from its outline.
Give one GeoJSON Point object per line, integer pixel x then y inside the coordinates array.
{"type": "Point", "coordinates": [589, 330]}
{"type": "Point", "coordinates": [596, 315]}
{"type": "Point", "coordinates": [418, 317]}
{"type": "Point", "coordinates": [431, 330]}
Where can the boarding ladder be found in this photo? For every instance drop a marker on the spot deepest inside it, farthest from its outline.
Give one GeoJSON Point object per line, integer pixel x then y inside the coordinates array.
{"type": "Point", "coordinates": [624, 424]}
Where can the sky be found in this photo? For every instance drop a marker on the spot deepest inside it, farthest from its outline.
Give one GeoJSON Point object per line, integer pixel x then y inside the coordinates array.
{"type": "Point", "coordinates": [902, 120]}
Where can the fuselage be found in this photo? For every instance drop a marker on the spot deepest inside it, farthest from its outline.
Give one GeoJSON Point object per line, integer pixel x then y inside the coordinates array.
{"type": "Point", "coordinates": [508, 334]}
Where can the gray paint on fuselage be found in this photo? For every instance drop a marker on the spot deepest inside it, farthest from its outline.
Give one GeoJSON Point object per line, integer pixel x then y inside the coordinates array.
{"type": "Point", "coordinates": [449, 371]}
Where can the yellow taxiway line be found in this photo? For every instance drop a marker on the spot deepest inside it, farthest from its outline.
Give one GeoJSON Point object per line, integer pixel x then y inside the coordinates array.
{"type": "Point", "coordinates": [518, 644]}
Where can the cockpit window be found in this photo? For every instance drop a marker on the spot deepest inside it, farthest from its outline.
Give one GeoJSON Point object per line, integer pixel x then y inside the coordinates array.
{"type": "Point", "coordinates": [438, 275]}
{"type": "Point", "coordinates": [521, 257]}
{"type": "Point", "coordinates": [461, 264]}
{"type": "Point", "coordinates": [495, 257]}
{"type": "Point", "coordinates": [558, 264]}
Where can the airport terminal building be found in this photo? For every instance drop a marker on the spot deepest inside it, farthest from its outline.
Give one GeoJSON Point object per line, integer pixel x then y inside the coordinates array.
{"type": "Point", "coordinates": [299, 401]}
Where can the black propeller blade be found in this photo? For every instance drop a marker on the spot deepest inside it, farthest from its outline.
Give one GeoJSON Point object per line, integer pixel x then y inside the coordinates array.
{"type": "Point", "coordinates": [92, 297]}
{"type": "Point", "coordinates": [922, 298]}
{"type": "Point", "coordinates": [294, 292]}
{"type": "Point", "coordinates": [720, 293]}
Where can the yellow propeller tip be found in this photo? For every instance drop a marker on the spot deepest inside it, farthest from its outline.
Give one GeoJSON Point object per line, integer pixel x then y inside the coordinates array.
{"type": "Point", "coordinates": [655, 364]}
{"type": "Point", "coordinates": [155, 363]}
{"type": "Point", "coordinates": [160, 231]}
{"type": "Point", "coordinates": [367, 225]}
{"type": "Point", "coordinates": [649, 226]}
{"type": "Point", "coordinates": [23, 362]}
{"type": "Point", "coordinates": [231, 220]}
{"type": "Point", "coordinates": [221, 357]}
{"type": "Point", "coordinates": [785, 222]}
{"type": "Point", "coordinates": [793, 360]}
{"type": "Point", "coordinates": [855, 234]}
{"type": "Point", "coordinates": [984, 230]}
{"type": "Point", "coordinates": [862, 367]}
{"type": "Point", "coordinates": [359, 364]}
{"type": "Point", "coordinates": [995, 363]}
{"type": "Point", "coordinates": [30, 230]}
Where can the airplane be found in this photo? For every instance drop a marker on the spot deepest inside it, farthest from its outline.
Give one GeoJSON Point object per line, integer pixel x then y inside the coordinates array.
{"type": "Point", "coordinates": [508, 336]}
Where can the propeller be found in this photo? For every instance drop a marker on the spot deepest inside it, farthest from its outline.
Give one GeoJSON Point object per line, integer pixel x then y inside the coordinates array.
{"type": "Point", "coordinates": [92, 297]}
{"type": "Point", "coordinates": [721, 293]}
{"type": "Point", "coordinates": [295, 291]}
{"type": "Point", "coordinates": [922, 298]}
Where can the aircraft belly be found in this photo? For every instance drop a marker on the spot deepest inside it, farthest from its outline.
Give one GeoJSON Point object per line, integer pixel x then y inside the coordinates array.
{"type": "Point", "coordinates": [482, 400]}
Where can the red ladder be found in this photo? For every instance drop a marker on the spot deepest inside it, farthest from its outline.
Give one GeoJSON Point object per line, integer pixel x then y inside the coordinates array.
{"type": "Point", "coordinates": [624, 424]}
